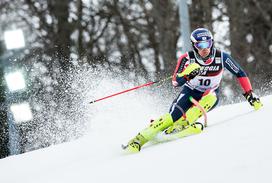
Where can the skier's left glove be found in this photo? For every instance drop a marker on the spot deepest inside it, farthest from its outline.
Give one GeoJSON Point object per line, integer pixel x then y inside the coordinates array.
{"type": "Point", "coordinates": [253, 100]}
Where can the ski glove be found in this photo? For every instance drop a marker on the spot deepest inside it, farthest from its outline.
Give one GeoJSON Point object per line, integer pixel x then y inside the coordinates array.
{"type": "Point", "coordinates": [193, 74]}
{"type": "Point", "coordinates": [253, 100]}
{"type": "Point", "coordinates": [190, 72]}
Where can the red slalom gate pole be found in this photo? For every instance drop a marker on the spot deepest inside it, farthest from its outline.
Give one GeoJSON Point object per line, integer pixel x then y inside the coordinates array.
{"type": "Point", "coordinates": [202, 109]}
{"type": "Point", "coordinates": [131, 89]}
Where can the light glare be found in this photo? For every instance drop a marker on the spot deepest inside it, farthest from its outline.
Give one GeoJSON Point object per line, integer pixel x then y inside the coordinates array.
{"type": "Point", "coordinates": [14, 39]}
{"type": "Point", "coordinates": [15, 81]}
{"type": "Point", "coordinates": [21, 112]}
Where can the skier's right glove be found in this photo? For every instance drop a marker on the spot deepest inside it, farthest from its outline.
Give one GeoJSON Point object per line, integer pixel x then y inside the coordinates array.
{"type": "Point", "coordinates": [193, 74]}
{"type": "Point", "coordinates": [253, 100]}
{"type": "Point", "coordinates": [190, 72]}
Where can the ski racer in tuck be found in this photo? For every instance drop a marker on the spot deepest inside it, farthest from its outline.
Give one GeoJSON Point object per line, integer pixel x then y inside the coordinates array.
{"type": "Point", "coordinates": [199, 72]}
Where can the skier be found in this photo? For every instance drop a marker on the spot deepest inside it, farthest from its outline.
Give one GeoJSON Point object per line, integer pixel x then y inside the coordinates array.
{"type": "Point", "coordinates": [199, 72]}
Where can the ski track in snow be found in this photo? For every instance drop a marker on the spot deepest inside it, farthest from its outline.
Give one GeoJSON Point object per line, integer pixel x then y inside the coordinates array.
{"type": "Point", "coordinates": [236, 147]}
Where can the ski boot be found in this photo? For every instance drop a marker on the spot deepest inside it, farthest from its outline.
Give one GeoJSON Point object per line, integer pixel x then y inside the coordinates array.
{"type": "Point", "coordinates": [135, 144]}
{"type": "Point", "coordinates": [184, 132]}
{"type": "Point", "coordinates": [194, 113]}
{"type": "Point", "coordinates": [177, 126]}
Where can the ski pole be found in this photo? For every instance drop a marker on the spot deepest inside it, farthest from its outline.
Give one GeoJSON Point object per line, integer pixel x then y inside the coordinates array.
{"type": "Point", "coordinates": [131, 89]}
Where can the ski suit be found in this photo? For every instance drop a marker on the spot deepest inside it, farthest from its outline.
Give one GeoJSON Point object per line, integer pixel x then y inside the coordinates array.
{"type": "Point", "coordinates": [210, 76]}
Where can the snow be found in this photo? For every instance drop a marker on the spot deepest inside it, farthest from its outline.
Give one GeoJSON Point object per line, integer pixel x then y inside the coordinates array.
{"type": "Point", "coordinates": [236, 147]}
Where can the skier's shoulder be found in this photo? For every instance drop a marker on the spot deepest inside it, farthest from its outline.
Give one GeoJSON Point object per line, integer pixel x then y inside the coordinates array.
{"type": "Point", "coordinates": [184, 55]}
{"type": "Point", "coordinates": [183, 58]}
{"type": "Point", "coordinates": [230, 63]}
{"type": "Point", "coordinates": [225, 55]}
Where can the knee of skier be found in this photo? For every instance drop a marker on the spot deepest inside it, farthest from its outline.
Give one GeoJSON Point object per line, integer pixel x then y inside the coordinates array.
{"type": "Point", "coordinates": [214, 106]}
{"type": "Point", "coordinates": [176, 113]}
{"type": "Point", "coordinates": [213, 99]}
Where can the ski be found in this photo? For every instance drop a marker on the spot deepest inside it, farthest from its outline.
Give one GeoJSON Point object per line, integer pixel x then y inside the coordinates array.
{"type": "Point", "coordinates": [188, 131]}
{"type": "Point", "coordinates": [124, 146]}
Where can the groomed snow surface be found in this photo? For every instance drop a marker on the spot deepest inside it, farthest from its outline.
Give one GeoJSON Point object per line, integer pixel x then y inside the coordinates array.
{"type": "Point", "coordinates": [236, 147]}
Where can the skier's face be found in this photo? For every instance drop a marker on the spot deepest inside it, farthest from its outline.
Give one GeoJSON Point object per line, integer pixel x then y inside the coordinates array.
{"type": "Point", "coordinates": [204, 52]}
{"type": "Point", "coordinates": [204, 47]}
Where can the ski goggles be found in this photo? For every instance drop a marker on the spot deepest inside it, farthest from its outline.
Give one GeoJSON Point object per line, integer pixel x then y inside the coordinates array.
{"type": "Point", "coordinates": [203, 44]}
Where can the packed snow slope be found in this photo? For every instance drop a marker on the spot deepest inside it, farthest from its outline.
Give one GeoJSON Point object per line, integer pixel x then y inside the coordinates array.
{"type": "Point", "coordinates": [236, 147]}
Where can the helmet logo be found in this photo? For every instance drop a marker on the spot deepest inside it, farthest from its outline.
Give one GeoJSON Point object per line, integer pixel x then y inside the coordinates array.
{"type": "Point", "coordinates": [204, 38]}
{"type": "Point", "coordinates": [202, 34]}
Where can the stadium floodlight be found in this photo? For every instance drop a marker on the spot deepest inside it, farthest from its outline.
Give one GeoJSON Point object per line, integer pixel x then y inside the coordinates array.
{"type": "Point", "coordinates": [21, 112]}
{"type": "Point", "coordinates": [15, 81]}
{"type": "Point", "coordinates": [14, 39]}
